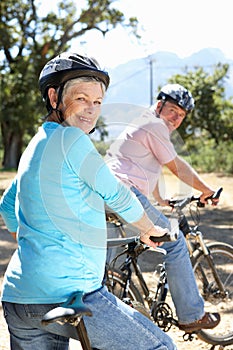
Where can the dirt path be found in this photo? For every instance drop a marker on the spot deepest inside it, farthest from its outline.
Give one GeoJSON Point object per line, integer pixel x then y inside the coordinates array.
{"type": "Point", "coordinates": [220, 227]}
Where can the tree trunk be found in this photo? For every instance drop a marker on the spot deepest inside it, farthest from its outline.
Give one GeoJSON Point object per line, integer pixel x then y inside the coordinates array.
{"type": "Point", "coordinates": [12, 146]}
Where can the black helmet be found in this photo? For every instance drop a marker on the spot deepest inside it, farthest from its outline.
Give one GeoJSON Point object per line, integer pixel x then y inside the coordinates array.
{"type": "Point", "coordinates": [68, 66]}
{"type": "Point", "coordinates": [179, 95]}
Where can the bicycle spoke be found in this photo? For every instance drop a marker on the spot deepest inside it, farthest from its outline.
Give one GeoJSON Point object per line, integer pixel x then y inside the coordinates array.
{"type": "Point", "coordinates": [216, 299]}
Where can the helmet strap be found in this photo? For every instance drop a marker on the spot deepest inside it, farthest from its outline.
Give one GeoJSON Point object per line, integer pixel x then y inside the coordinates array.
{"type": "Point", "coordinates": [59, 114]}
{"type": "Point", "coordinates": [162, 105]}
{"type": "Point", "coordinates": [57, 110]}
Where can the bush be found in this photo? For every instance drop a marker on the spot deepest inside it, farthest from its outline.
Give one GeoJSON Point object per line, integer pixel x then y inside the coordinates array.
{"type": "Point", "coordinates": [208, 157]}
{"type": "Point", "coordinates": [101, 147]}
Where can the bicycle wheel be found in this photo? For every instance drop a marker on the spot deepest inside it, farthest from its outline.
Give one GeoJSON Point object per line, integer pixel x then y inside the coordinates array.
{"type": "Point", "coordinates": [215, 299]}
{"type": "Point", "coordinates": [116, 284]}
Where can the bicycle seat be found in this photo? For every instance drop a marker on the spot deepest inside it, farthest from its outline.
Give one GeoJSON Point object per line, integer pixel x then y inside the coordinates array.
{"type": "Point", "coordinates": [73, 308]}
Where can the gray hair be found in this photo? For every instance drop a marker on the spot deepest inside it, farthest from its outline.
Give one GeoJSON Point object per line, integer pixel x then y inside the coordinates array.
{"type": "Point", "coordinates": [75, 81]}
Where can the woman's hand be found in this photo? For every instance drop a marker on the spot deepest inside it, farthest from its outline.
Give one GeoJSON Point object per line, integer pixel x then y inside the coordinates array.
{"type": "Point", "coordinates": [155, 231]}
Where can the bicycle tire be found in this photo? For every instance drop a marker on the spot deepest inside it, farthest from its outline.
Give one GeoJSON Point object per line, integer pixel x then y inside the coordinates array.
{"type": "Point", "coordinates": [222, 255]}
{"type": "Point", "coordinates": [116, 281]}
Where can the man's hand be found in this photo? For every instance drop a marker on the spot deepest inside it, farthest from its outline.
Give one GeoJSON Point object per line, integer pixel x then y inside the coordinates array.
{"type": "Point", "coordinates": [188, 175]}
{"type": "Point", "coordinates": [205, 196]}
{"type": "Point", "coordinates": [164, 203]}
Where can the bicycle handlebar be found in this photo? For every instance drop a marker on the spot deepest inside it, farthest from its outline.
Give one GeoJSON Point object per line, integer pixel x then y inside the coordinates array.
{"type": "Point", "coordinates": [117, 242]}
{"type": "Point", "coordinates": [168, 237]}
{"type": "Point", "coordinates": [216, 195]}
{"type": "Point", "coordinates": [181, 203]}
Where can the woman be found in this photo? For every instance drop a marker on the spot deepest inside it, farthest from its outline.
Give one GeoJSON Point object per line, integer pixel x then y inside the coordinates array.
{"type": "Point", "coordinates": [56, 206]}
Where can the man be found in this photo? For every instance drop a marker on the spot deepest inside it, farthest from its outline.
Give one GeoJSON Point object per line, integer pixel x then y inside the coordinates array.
{"type": "Point", "coordinates": [137, 158]}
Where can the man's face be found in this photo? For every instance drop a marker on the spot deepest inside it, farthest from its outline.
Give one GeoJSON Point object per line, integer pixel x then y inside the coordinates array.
{"type": "Point", "coordinates": [172, 114]}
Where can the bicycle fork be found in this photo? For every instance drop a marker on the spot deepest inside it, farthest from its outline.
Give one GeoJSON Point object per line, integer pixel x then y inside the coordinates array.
{"type": "Point", "coordinates": [209, 259]}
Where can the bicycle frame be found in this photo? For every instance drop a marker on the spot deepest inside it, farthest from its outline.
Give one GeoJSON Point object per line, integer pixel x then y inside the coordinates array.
{"type": "Point", "coordinates": [203, 256]}
{"type": "Point", "coordinates": [195, 240]}
{"type": "Point", "coordinates": [134, 248]}
{"type": "Point", "coordinates": [199, 242]}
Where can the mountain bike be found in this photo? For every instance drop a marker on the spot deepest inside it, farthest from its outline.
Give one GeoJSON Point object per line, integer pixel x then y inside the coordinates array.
{"type": "Point", "coordinates": [74, 309]}
{"type": "Point", "coordinates": [212, 264]}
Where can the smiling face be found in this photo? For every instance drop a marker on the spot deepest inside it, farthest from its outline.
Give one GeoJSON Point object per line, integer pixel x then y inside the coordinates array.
{"type": "Point", "coordinates": [172, 114]}
{"type": "Point", "coordinates": [81, 103]}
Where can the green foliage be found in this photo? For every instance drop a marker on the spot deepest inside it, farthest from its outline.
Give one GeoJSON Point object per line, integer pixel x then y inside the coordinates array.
{"type": "Point", "coordinates": [213, 114]}
{"type": "Point", "coordinates": [206, 156]}
{"type": "Point", "coordinates": [101, 146]}
{"type": "Point", "coordinates": [207, 131]}
{"type": "Point", "coordinates": [28, 41]}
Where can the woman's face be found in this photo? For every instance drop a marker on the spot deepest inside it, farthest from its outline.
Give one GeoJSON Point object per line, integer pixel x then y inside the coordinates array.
{"type": "Point", "coordinates": [81, 105]}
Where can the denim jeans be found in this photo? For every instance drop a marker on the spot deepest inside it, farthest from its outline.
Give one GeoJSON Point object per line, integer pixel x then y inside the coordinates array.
{"type": "Point", "coordinates": [182, 284]}
{"type": "Point", "coordinates": [113, 326]}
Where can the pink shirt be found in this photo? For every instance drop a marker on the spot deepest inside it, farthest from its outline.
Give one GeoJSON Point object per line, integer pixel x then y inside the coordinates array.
{"type": "Point", "coordinates": [140, 151]}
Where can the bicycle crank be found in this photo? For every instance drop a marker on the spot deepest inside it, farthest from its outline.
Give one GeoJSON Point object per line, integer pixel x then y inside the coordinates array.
{"type": "Point", "coordinates": [163, 316]}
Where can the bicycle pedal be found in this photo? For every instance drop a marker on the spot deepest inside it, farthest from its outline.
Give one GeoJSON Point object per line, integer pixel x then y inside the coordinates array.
{"type": "Point", "coordinates": [189, 336]}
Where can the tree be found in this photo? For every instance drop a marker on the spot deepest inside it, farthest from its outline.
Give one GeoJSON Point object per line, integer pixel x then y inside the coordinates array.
{"type": "Point", "coordinates": [27, 43]}
{"type": "Point", "coordinates": [101, 128]}
{"type": "Point", "coordinates": [208, 130]}
{"type": "Point", "coordinates": [212, 115]}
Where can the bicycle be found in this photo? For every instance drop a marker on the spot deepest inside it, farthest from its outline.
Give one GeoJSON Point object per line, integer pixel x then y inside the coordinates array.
{"type": "Point", "coordinates": [212, 264]}
{"type": "Point", "coordinates": [74, 309]}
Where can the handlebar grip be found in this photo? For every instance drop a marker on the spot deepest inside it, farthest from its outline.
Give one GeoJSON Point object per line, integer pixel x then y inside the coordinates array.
{"type": "Point", "coordinates": [216, 195]}
{"type": "Point", "coordinates": [168, 237]}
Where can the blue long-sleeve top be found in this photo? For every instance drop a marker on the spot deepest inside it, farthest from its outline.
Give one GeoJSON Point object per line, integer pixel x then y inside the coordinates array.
{"type": "Point", "coordinates": [56, 203]}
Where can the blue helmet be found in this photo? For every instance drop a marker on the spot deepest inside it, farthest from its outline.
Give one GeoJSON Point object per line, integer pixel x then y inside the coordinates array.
{"type": "Point", "coordinates": [177, 94]}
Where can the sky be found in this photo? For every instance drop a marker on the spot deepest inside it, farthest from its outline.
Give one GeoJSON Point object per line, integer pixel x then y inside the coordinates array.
{"type": "Point", "coordinates": [182, 27]}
